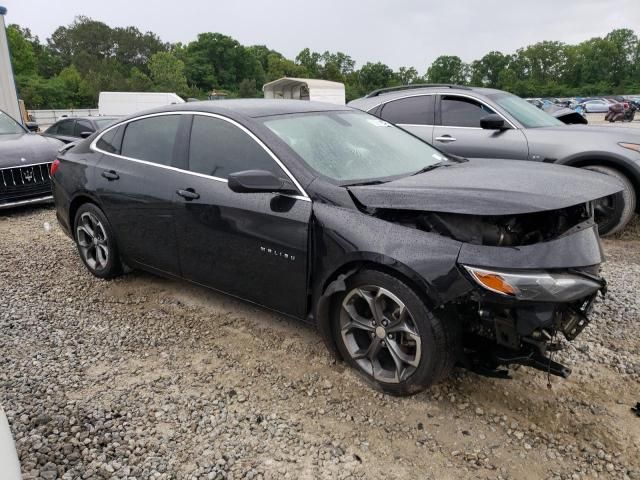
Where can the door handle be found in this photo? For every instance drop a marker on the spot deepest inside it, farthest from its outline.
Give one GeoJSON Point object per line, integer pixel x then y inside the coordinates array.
{"type": "Point", "coordinates": [446, 138]}
{"type": "Point", "coordinates": [188, 194]}
{"type": "Point", "coordinates": [110, 175]}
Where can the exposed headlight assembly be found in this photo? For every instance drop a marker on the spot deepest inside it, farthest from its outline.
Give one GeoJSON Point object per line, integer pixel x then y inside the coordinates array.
{"type": "Point", "coordinates": [536, 286]}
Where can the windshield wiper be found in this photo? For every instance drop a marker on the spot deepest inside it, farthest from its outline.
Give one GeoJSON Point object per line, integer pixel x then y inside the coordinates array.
{"type": "Point", "coordinates": [433, 166]}
{"type": "Point", "coordinates": [359, 184]}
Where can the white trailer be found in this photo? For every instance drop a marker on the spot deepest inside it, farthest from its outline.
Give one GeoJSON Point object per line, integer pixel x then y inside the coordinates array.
{"type": "Point", "coordinates": [126, 103]}
{"type": "Point", "coordinates": [8, 95]}
{"type": "Point", "coordinates": [305, 89]}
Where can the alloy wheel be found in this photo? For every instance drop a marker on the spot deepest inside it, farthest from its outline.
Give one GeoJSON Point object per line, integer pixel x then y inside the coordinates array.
{"type": "Point", "coordinates": [93, 241]}
{"type": "Point", "coordinates": [380, 334]}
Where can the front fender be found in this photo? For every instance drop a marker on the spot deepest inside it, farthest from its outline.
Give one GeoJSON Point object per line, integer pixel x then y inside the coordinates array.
{"type": "Point", "coordinates": [346, 240]}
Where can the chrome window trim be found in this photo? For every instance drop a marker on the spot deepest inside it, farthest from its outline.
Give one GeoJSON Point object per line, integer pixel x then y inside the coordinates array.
{"type": "Point", "coordinates": [95, 148]}
{"type": "Point", "coordinates": [413, 125]}
{"type": "Point", "coordinates": [448, 95]}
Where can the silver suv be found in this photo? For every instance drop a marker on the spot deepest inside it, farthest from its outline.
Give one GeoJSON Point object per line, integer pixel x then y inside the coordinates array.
{"type": "Point", "coordinates": [486, 123]}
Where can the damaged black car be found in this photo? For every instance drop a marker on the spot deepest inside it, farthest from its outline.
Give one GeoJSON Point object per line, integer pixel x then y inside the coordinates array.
{"type": "Point", "coordinates": [409, 261]}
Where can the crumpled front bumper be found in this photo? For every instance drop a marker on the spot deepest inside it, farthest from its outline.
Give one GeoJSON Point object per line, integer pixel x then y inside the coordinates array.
{"type": "Point", "coordinates": [507, 330]}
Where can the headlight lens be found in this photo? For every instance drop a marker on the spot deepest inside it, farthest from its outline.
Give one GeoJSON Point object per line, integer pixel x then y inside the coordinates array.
{"type": "Point", "coordinates": [630, 146]}
{"type": "Point", "coordinates": [535, 286]}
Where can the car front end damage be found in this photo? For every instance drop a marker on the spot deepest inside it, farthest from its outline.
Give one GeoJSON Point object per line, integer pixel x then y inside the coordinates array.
{"type": "Point", "coordinates": [535, 278]}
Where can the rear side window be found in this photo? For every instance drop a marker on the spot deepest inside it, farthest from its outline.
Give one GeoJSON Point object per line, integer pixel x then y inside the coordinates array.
{"type": "Point", "coordinates": [218, 148]}
{"type": "Point", "coordinates": [53, 129]}
{"type": "Point", "coordinates": [65, 127]}
{"type": "Point", "coordinates": [462, 112]}
{"type": "Point", "coordinates": [417, 110]}
{"type": "Point", "coordinates": [151, 139]}
{"type": "Point", "coordinates": [111, 140]}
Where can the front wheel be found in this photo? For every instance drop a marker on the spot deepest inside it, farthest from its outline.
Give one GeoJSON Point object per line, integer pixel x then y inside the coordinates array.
{"type": "Point", "coordinates": [96, 242]}
{"type": "Point", "coordinates": [612, 213]}
{"type": "Point", "coordinates": [384, 330]}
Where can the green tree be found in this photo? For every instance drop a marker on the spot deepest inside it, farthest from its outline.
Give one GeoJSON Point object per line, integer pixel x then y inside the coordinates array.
{"type": "Point", "coordinates": [447, 69]}
{"type": "Point", "coordinates": [247, 88]}
{"type": "Point", "coordinates": [23, 57]}
{"type": "Point", "coordinates": [375, 75]}
{"type": "Point", "coordinates": [407, 75]}
{"type": "Point", "coordinates": [167, 73]}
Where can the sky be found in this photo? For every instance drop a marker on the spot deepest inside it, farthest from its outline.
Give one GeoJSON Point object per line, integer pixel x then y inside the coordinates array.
{"type": "Point", "coordinates": [398, 33]}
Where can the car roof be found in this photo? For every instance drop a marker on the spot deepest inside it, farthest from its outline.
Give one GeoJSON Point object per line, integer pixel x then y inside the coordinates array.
{"type": "Point", "coordinates": [89, 117]}
{"type": "Point", "coordinates": [383, 96]}
{"type": "Point", "coordinates": [252, 108]}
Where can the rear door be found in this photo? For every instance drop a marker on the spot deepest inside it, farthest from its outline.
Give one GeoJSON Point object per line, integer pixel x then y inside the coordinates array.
{"type": "Point", "coordinates": [415, 114]}
{"type": "Point", "coordinates": [136, 187]}
{"type": "Point", "coordinates": [458, 131]}
{"type": "Point", "coordinates": [252, 245]}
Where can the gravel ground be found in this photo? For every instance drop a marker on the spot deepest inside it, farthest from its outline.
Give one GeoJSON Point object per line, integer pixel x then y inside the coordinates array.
{"type": "Point", "coordinates": [143, 377]}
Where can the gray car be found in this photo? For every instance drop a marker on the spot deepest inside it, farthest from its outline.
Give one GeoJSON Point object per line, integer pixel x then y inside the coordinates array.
{"type": "Point", "coordinates": [596, 106]}
{"type": "Point", "coordinates": [487, 123]}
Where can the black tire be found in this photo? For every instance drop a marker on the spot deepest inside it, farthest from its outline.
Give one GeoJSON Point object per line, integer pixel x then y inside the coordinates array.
{"type": "Point", "coordinates": [439, 340]}
{"type": "Point", "coordinates": [100, 256]}
{"type": "Point", "coordinates": [614, 212]}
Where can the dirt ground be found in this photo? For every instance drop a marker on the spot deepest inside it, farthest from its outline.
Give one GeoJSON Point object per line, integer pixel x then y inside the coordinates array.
{"type": "Point", "coordinates": [154, 378]}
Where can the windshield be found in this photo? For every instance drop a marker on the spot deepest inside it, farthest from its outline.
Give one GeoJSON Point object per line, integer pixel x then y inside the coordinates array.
{"type": "Point", "coordinates": [349, 146]}
{"type": "Point", "coordinates": [8, 126]}
{"type": "Point", "coordinates": [525, 113]}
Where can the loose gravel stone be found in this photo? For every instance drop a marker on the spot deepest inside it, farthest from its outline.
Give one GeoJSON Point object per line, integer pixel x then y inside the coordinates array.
{"type": "Point", "coordinates": [147, 378]}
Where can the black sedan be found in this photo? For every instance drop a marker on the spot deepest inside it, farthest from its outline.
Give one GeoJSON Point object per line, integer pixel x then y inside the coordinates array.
{"type": "Point", "coordinates": [69, 130]}
{"type": "Point", "coordinates": [25, 159]}
{"type": "Point", "coordinates": [407, 260]}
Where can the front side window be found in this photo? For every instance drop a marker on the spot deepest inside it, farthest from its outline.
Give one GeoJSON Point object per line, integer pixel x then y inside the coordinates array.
{"type": "Point", "coordinates": [418, 110]}
{"type": "Point", "coordinates": [151, 139]}
{"type": "Point", "coordinates": [218, 148]}
{"type": "Point", "coordinates": [462, 112]}
{"type": "Point", "coordinates": [82, 126]}
{"type": "Point", "coordinates": [65, 127]}
{"type": "Point", "coordinates": [525, 113]}
{"type": "Point", "coordinates": [346, 146]}
{"type": "Point", "coordinates": [8, 126]}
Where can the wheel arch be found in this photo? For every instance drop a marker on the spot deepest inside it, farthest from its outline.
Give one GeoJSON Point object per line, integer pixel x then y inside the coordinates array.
{"type": "Point", "coordinates": [76, 202]}
{"type": "Point", "coordinates": [334, 283]}
{"type": "Point", "coordinates": [607, 160]}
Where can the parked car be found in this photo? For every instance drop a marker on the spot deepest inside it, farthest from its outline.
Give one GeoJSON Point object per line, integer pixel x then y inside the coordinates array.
{"type": "Point", "coordinates": [596, 106]}
{"type": "Point", "coordinates": [25, 159]}
{"type": "Point", "coordinates": [400, 254]}
{"type": "Point", "coordinates": [487, 123]}
{"type": "Point", "coordinates": [71, 129]}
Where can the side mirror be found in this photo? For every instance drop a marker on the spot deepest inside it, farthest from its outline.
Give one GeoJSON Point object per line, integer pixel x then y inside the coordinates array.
{"type": "Point", "coordinates": [32, 126]}
{"type": "Point", "coordinates": [492, 122]}
{"type": "Point", "coordinates": [256, 181]}
{"type": "Point", "coordinates": [85, 134]}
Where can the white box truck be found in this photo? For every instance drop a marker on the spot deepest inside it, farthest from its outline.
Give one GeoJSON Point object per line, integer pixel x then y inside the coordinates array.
{"type": "Point", "coordinates": [126, 103]}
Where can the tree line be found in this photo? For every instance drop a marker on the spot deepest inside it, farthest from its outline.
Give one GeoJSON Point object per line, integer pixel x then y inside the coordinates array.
{"type": "Point", "coordinates": [87, 56]}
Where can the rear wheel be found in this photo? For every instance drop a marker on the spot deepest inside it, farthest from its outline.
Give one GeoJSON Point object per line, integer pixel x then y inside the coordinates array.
{"type": "Point", "coordinates": [96, 242]}
{"type": "Point", "coordinates": [385, 331]}
{"type": "Point", "coordinates": [612, 213]}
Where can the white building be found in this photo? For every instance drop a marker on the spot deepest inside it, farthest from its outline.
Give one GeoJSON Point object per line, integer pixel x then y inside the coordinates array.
{"type": "Point", "coordinates": [305, 89]}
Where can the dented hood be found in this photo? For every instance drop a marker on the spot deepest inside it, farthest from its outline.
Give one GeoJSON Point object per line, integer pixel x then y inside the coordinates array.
{"type": "Point", "coordinates": [490, 187]}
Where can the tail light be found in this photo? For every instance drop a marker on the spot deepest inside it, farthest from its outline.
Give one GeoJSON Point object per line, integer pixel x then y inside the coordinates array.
{"type": "Point", "coordinates": [54, 167]}
{"type": "Point", "coordinates": [626, 105]}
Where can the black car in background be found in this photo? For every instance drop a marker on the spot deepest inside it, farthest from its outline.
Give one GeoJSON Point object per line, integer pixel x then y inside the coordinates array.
{"type": "Point", "coordinates": [25, 159]}
{"type": "Point", "coordinates": [69, 130]}
{"type": "Point", "coordinates": [408, 260]}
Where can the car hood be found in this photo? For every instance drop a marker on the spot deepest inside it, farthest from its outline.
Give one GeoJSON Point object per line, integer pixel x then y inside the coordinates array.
{"type": "Point", "coordinates": [490, 187]}
{"type": "Point", "coordinates": [27, 149]}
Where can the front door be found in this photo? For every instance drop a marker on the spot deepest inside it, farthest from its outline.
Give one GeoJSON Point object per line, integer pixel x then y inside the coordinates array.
{"type": "Point", "coordinates": [458, 131]}
{"type": "Point", "coordinates": [251, 245]}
